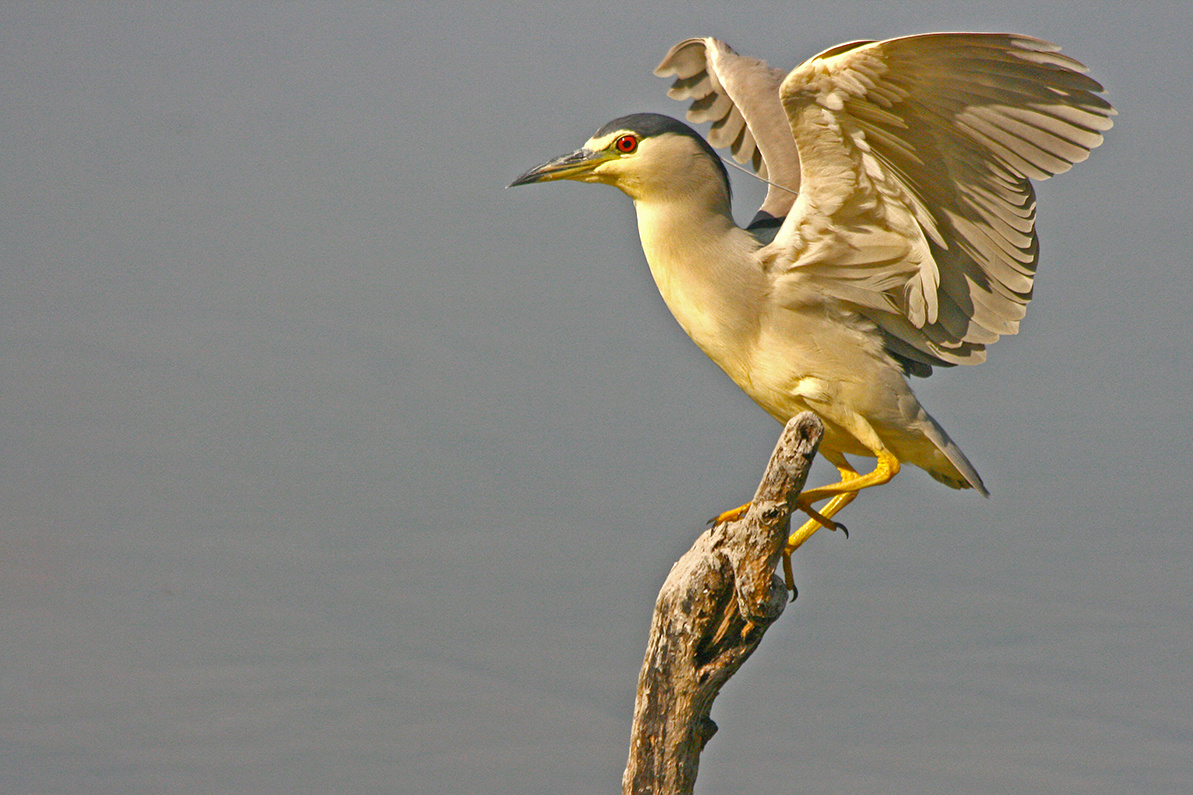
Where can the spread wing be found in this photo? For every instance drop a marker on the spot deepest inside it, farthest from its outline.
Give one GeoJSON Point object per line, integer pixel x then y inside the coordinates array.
{"type": "Point", "coordinates": [740, 96]}
{"type": "Point", "coordinates": [916, 208]}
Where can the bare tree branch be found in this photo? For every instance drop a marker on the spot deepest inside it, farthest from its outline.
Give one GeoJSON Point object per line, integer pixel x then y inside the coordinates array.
{"type": "Point", "coordinates": [711, 613]}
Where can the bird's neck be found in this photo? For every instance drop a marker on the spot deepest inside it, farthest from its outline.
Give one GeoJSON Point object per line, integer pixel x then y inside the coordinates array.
{"type": "Point", "coordinates": [706, 272]}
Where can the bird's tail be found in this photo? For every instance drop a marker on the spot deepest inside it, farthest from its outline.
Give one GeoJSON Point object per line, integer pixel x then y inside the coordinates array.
{"type": "Point", "coordinates": [943, 459]}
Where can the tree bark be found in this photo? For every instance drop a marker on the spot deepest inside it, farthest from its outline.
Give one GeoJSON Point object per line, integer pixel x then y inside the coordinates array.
{"type": "Point", "coordinates": [711, 613]}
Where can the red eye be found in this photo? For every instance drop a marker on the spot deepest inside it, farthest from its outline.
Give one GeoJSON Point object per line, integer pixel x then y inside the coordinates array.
{"type": "Point", "coordinates": [626, 144]}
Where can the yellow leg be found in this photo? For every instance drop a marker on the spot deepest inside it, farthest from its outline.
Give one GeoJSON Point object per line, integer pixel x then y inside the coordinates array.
{"type": "Point", "coordinates": [887, 468]}
{"type": "Point", "coordinates": [839, 495]}
{"type": "Point", "coordinates": [819, 517]}
{"type": "Point", "coordinates": [848, 476]}
{"type": "Point", "coordinates": [812, 525]}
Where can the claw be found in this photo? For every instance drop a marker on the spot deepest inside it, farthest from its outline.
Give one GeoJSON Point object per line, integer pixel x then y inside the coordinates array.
{"type": "Point", "coordinates": [823, 520]}
{"type": "Point", "coordinates": [731, 515]}
{"type": "Point", "coordinates": [789, 576]}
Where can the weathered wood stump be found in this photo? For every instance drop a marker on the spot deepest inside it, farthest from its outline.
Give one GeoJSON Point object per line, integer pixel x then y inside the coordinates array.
{"type": "Point", "coordinates": [712, 611]}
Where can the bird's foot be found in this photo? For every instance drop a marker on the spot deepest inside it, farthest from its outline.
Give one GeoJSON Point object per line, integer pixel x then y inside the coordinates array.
{"type": "Point", "coordinates": [731, 515]}
{"type": "Point", "coordinates": [820, 519]}
{"type": "Point", "coordinates": [799, 537]}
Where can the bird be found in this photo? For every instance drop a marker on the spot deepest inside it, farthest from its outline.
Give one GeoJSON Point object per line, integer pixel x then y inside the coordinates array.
{"type": "Point", "coordinates": [897, 234]}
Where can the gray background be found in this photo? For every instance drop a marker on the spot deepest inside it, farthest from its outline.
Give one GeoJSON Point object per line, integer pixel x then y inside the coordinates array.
{"type": "Point", "coordinates": [330, 466]}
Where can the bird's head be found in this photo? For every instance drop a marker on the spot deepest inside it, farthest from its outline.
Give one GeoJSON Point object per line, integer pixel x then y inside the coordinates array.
{"type": "Point", "coordinates": [646, 155]}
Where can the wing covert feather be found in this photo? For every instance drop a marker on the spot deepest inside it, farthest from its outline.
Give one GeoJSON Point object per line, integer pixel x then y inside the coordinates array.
{"type": "Point", "coordinates": [932, 141]}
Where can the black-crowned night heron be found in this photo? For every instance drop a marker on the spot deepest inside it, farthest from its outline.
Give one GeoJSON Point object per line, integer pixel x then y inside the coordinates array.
{"type": "Point", "coordinates": [910, 243]}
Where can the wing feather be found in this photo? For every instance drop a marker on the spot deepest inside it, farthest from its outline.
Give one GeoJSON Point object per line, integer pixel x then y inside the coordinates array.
{"type": "Point", "coordinates": [916, 204]}
{"type": "Point", "coordinates": [740, 97]}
